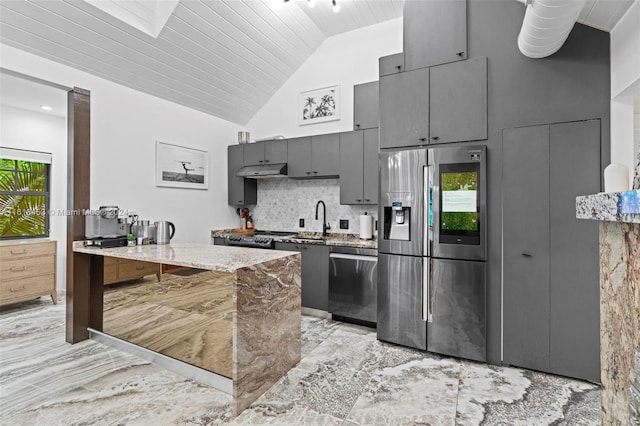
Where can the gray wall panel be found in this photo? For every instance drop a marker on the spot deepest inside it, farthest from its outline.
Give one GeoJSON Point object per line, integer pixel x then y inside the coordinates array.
{"type": "Point", "coordinates": [573, 84]}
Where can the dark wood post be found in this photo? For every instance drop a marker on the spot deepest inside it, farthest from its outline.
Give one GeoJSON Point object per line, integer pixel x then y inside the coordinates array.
{"type": "Point", "coordinates": [78, 191]}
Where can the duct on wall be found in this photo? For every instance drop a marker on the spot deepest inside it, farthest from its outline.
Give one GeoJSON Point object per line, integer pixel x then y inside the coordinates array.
{"type": "Point", "coordinates": [546, 26]}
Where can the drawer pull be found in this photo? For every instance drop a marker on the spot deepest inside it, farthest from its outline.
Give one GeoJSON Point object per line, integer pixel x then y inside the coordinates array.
{"type": "Point", "coordinates": [139, 268]}
{"type": "Point", "coordinates": [18, 268]}
{"type": "Point", "coordinates": [17, 288]}
{"type": "Point", "coordinates": [23, 251]}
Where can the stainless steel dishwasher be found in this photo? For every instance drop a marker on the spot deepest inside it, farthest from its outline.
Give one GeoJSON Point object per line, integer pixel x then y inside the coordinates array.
{"type": "Point", "coordinates": [353, 284]}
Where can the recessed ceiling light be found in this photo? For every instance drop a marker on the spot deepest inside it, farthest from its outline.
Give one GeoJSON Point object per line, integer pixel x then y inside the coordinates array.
{"type": "Point", "coordinates": [46, 107]}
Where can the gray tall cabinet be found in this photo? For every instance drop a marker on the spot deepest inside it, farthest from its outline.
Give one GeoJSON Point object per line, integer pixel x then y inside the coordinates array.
{"type": "Point", "coordinates": [550, 258]}
{"type": "Point", "coordinates": [240, 191]}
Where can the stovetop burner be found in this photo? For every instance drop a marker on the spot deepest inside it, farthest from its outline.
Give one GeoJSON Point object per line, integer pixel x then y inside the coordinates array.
{"type": "Point", "coordinates": [261, 239]}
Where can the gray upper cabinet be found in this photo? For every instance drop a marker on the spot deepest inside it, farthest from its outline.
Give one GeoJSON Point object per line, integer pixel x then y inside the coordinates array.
{"type": "Point", "coordinates": [325, 155]}
{"type": "Point", "coordinates": [359, 167]}
{"type": "Point", "coordinates": [435, 32]}
{"type": "Point", "coordinates": [314, 156]}
{"type": "Point", "coordinates": [241, 191]}
{"type": "Point", "coordinates": [404, 109]}
{"type": "Point", "coordinates": [458, 101]}
{"type": "Point", "coordinates": [370, 190]}
{"type": "Point", "coordinates": [299, 157]}
{"type": "Point", "coordinates": [391, 64]}
{"type": "Point", "coordinates": [253, 153]}
{"type": "Point", "coordinates": [274, 151]}
{"type": "Point", "coordinates": [352, 167]}
{"type": "Point", "coordinates": [365, 105]}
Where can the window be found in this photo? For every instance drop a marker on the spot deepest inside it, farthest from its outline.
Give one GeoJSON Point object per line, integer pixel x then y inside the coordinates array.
{"type": "Point", "coordinates": [24, 198]}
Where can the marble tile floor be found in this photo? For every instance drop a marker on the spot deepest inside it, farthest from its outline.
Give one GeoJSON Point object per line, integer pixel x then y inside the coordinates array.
{"type": "Point", "coordinates": [346, 377]}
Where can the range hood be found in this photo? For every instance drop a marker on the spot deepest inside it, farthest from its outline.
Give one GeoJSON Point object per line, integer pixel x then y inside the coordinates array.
{"type": "Point", "coordinates": [263, 171]}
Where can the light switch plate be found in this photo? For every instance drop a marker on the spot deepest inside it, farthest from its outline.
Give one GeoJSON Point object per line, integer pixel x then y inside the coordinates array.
{"type": "Point", "coordinates": [344, 224]}
{"type": "Point", "coordinates": [301, 223]}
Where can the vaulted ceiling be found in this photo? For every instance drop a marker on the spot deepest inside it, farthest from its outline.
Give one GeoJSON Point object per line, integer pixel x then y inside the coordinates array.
{"type": "Point", "coordinates": [223, 57]}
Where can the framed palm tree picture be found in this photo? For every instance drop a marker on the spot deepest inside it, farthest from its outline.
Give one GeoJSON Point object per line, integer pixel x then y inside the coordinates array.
{"type": "Point", "coordinates": [319, 105]}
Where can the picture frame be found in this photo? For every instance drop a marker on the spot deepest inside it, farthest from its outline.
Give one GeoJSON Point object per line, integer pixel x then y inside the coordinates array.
{"type": "Point", "coordinates": [179, 166]}
{"type": "Point", "coordinates": [319, 105]}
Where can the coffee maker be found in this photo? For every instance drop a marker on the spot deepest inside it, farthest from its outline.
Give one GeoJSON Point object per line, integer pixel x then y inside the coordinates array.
{"type": "Point", "coordinates": [104, 228]}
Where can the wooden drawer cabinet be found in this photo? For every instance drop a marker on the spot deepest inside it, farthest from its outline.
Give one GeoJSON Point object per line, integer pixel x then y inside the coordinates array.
{"type": "Point", "coordinates": [117, 270]}
{"type": "Point", "coordinates": [27, 271]}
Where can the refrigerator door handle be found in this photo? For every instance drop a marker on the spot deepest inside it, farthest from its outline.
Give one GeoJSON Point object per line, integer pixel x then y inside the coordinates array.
{"type": "Point", "coordinates": [428, 207]}
{"type": "Point", "coordinates": [426, 290]}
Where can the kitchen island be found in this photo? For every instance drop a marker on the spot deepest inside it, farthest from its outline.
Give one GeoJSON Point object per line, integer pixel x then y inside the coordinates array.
{"type": "Point", "coordinates": [231, 320]}
{"type": "Point", "coordinates": [619, 216]}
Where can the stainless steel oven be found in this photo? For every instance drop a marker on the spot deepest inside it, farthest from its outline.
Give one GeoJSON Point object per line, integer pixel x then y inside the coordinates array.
{"type": "Point", "coordinates": [353, 284]}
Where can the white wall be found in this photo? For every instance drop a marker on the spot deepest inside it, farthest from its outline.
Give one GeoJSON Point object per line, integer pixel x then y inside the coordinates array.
{"type": "Point", "coordinates": [125, 125]}
{"type": "Point", "coordinates": [33, 131]}
{"type": "Point", "coordinates": [625, 85]}
{"type": "Point", "coordinates": [345, 59]}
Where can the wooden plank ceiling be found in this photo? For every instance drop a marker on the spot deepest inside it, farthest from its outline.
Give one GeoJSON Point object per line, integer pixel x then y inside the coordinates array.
{"type": "Point", "coordinates": [223, 57]}
{"type": "Point", "coordinates": [226, 58]}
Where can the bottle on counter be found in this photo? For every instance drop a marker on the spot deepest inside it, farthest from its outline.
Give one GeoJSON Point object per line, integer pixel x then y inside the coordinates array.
{"type": "Point", "coordinates": [249, 221]}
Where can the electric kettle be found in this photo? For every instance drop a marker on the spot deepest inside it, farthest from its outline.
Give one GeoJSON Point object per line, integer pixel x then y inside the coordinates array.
{"type": "Point", "coordinates": [164, 231]}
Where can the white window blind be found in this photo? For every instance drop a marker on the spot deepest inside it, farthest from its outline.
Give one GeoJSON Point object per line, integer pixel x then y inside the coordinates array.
{"type": "Point", "coordinates": [25, 155]}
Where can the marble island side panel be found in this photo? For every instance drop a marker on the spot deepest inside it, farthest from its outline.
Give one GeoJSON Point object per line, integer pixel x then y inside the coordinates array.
{"type": "Point", "coordinates": [267, 330]}
{"type": "Point", "coordinates": [188, 318]}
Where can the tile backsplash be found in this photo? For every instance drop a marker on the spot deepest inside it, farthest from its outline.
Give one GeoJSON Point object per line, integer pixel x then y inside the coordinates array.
{"type": "Point", "coordinates": [281, 202]}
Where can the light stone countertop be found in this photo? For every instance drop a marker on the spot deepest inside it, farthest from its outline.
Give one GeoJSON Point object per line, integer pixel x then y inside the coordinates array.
{"type": "Point", "coordinates": [200, 256]}
{"type": "Point", "coordinates": [311, 237]}
{"type": "Point", "coordinates": [611, 206]}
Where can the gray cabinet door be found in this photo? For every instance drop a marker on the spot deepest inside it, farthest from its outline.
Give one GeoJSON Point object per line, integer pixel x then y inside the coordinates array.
{"type": "Point", "coordinates": [275, 151]}
{"type": "Point", "coordinates": [351, 167]}
{"type": "Point", "coordinates": [299, 157]}
{"type": "Point", "coordinates": [240, 191]}
{"type": "Point", "coordinates": [525, 216]}
{"type": "Point", "coordinates": [458, 101]}
{"type": "Point", "coordinates": [575, 292]}
{"type": "Point", "coordinates": [325, 155]}
{"type": "Point", "coordinates": [391, 64]}
{"type": "Point", "coordinates": [435, 32]}
{"type": "Point", "coordinates": [404, 109]}
{"type": "Point", "coordinates": [365, 105]}
{"type": "Point", "coordinates": [253, 153]}
{"type": "Point", "coordinates": [315, 273]}
{"type": "Point", "coordinates": [370, 157]}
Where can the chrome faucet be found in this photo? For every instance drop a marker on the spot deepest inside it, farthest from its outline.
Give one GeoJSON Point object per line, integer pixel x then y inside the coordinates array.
{"type": "Point", "coordinates": [325, 225]}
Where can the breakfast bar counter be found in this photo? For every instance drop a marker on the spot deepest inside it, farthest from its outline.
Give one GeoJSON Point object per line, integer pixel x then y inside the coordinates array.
{"type": "Point", "coordinates": [231, 320]}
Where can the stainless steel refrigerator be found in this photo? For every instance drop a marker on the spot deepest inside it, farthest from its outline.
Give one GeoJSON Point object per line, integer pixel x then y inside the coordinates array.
{"type": "Point", "coordinates": [432, 250]}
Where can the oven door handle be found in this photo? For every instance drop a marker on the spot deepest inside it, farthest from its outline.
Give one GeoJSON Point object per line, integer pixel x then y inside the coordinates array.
{"type": "Point", "coordinates": [353, 257]}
